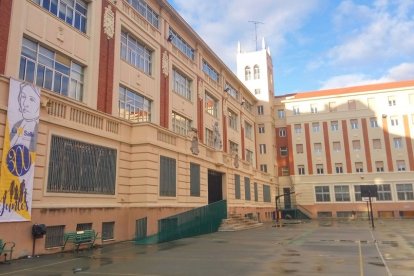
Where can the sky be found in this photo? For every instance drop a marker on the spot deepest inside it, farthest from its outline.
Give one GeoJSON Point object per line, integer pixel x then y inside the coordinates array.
{"type": "Point", "coordinates": [314, 44]}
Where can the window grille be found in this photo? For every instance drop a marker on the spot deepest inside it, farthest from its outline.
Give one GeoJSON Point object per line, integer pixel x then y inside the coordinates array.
{"type": "Point", "coordinates": [237, 186]}
{"type": "Point", "coordinates": [194, 179]}
{"type": "Point", "coordinates": [77, 167]}
{"type": "Point", "coordinates": [167, 176]}
{"type": "Point", "coordinates": [266, 193]}
{"type": "Point", "coordinates": [247, 188]}
{"type": "Point", "coordinates": [84, 226]}
{"type": "Point", "coordinates": [256, 192]}
{"type": "Point", "coordinates": [108, 230]}
{"type": "Point", "coordinates": [54, 236]}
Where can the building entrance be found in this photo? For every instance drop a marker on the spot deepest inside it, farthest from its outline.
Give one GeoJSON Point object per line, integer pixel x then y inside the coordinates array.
{"type": "Point", "coordinates": [215, 186]}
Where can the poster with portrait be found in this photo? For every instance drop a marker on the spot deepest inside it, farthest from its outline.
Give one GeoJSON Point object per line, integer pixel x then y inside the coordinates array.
{"type": "Point", "coordinates": [19, 152]}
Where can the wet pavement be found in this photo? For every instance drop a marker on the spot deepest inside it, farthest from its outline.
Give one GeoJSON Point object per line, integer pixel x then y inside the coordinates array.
{"type": "Point", "coordinates": [313, 248]}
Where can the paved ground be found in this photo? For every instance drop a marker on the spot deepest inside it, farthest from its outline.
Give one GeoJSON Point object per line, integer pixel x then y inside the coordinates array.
{"type": "Point", "coordinates": [315, 248]}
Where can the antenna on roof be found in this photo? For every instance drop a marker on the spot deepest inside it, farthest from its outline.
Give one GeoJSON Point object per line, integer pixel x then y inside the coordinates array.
{"type": "Point", "coordinates": [255, 29]}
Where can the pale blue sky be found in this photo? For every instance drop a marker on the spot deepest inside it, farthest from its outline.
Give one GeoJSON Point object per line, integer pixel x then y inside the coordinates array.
{"type": "Point", "coordinates": [315, 44]}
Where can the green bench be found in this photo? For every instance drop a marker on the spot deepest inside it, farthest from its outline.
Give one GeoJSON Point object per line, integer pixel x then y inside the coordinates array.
{"type": "Point", "coordinates": [5, 248]}
{"type": "Point", "coordinates": [78, 238]}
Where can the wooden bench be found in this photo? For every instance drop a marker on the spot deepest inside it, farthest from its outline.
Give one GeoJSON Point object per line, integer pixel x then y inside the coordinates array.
{"type": "Point", "coordinates": [5, 248]}
{"type": "Point", "coordinates": [78, 238]}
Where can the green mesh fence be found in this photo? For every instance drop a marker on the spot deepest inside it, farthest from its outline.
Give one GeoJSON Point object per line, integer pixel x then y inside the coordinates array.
{"type": "Point", "coordinates": [203, 220]}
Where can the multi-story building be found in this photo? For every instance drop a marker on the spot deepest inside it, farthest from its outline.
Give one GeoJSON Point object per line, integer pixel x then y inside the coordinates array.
{"type": "Point", "coordinates": [340, 139]}
{"type": "Point", "coordinates": [139, 120]}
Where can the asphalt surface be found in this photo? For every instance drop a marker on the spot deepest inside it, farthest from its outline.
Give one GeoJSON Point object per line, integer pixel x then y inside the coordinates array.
{"type": "Point", "coordinates": [313, 248]}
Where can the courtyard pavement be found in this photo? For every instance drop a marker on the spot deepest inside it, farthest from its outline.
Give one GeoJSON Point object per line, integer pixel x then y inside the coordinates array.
{"type": "Point", "coordinates": [312, 248]}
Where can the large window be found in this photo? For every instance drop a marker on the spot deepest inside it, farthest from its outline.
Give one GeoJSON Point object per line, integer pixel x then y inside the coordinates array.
{"type": "Point", "coordinates": [232, 91]}
{"type": "Point", "coordinates": [209, 138]}
{"type": "Point", "coordinates": [194, 179]}
{"type": "Point", "coordinates": [248, 130]}
{"type": "Point", "coordinates": [234, 147]}
{"type": "Point", "coordinates": [73, 12]}
{"type": "Point", "coordinates": [405, 191]}
{"type": "Point", "coordinates": [133, 106]}
{"type": "Point", "coordinates": [77, 167]}
{"type": "Point", "coordinates": [342, 193]}
{"type": "Point", "coordinates": [384, 192]}
{"type": "Point", "coordinates": [256, 192]}
{"type": "Point", "coordinates": [142, 7]}
{"type": "Point", "coordinates": [182, 84]}
{"type": "Point", "coordinates": [209, 70]}
{"type": "Point", "coordinates": [249, 156]}
{"type": "Point", "coordinates": [266, 193]}
{"type": "Point", "coordinates": [322, 194]}
{"type": "Point", "coordinates": [232, 119]}
{"type": "Point", "coordinates": [211, 105]}
{"type": "Point", "coordinates": [50, 70]}
{"type": "Point", "coordinates": [180, 124]}
{"type": "Point", "coordinates": [136, 53]}
{"type": "Point", "coordinates": [247, 188]}
{"type": "Point", "coordinates": [237, 194]}
{"type": "Point", "coordinates": [181, 44]}
{"type": "Point", "coordinates": [167, 176]}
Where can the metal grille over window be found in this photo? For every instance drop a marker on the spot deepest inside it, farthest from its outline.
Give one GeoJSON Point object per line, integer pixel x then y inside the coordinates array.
{"type": "Point", "coordinates": [77, 167]}
{"type": "Point", "coordinates": [108, 230]}
{"type": "Point", "coordinates": [167, 176]}
{"type": "Point", "coordinates": [54, 236]}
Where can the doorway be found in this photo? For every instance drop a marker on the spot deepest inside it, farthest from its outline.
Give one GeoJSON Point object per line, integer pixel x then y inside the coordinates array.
{"type": "Point", "coordinates": [288, 201]}
{"type": "Point", "coordinates": [215, 186]}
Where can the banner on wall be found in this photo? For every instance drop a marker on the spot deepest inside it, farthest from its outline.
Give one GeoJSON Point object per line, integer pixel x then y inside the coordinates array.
{"type": "Point", "coordinates": [19, 152]}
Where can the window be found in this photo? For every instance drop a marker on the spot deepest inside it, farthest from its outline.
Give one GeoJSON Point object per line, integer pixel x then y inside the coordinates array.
{"type": "Point", "coordinates": [263, 168]}
{"type": "Point", "coordinates": [357, 190]}
{"type": "Point", "coordinates": [398, 143]}
{"type": "Point", "coordinates": [82, 168]}
{"type": "Point", "coordinates": [247, 73]}
{"type": "Point", "coordinates": [384, 192]}
{"type": "Point", "coordinates": [262, 148]}
{"type": "Point", "coordinates": [301, 169]}
{"type": "Point", "coordinates": [282, 132]}
{"type": "Point", "coordinates": [391, 101]}
{"type": "Point", "coordinates": [108, 230]}
{"type": "Point", "coordinates": [315, 127]}
{"type": "Point", "coordinates": [232, 91]}
{"type": "Point", "coordinates": [136, 53]}
{"type": "Point", "coordinates": [285, 171]}
{"type": "Point", "coordinates": [237, 194]}
{"type": "Point", "coordinates": [356, 145]}
{"type": "Point", "coordinates": [299, 148]}
{"type": "Point", "coordinates": [283, 151]}
{"type": "Point", "coordinates": [339, 168]}
{"type": "Point", "coordinates": [180, 124]}
{"type": "Point", "coordinates": [266, 193]}
{"type": "Point", "coordinates": [296, 110]}
{"type": "Point", "coordinates": [232, 119]}
{"type": "Point", "coordinates": [133, 106]}
{"type": "Point", "coordinates": [405, 191]}
{"type": "Point", "coordinates": [354, 124]}
{"type": "Point", "coordinates": [209, 138]}
{"type": "Point", "coordinates": [194, 179]}
{"type": "Point", "coordinates": [73, 12]}
{"type": "Point", "coordinates": [181, 44]}
{"type": "Point", "coordinates": [142, 7]}
{"type": "Point", "coordinates": [322, 194]}
{"type": "Point", "coordinates": [379, 165]}
{"type": "Point", "coordinates": [401, 165]}
{"type": "Point", "coordinates": [257, 91]}
{"type": "Point", "coordinates": [234, 147]}
{"type": "Point", "coordinates": [342, 193]}
{"type": "Point", "coordinates": [249, 156]}
{"type": "Point", "coordinates": [256, 192]}
{"type": "Point", "coordinates": [261, 128]}
{"type": "Point", "coordinates": [211, 105]}
{"type": "Point", "coordinates": [247, 105]}
{"type": "Point", "coordinates": [317, 147]}
{"type": "Point", "coordinates": [260, 110]}
{"type": "Point", "coordinates": [182, 85]}
{"type": "Point", "coordinates": [359, 168]}
{"type": "Point", "coordinates": [281, 113]}
{"type": "Point", "coordinates": [376, 143]}
{"type": "Point", "coordinates": [394, 120]}
{"type": "Point", "coordinates": [351, 105]}
{"type": "Point", "coordinates": [50, 70]}
{"type": "Point", "coordinates": [319, 169]}
{"type": "Point", "coordinates": [373, 122]}
{"type": "Point", "coordinates": [247, 188]}
{"type": "Point", "coordinates": [167, 176]}
{"type": "Point", "coordinates": [209, 70]}
{"type": "Point", "coordinates": [298, 128]}
{"type": "Point", "coordinates": [336, 146]}
{"type": "Point", "coordinates": [332, 107]}
{"type": "Point", "coordinates": [314, 108]}
{"type": "Point", "coordinates": [54, 236]}
{"type": "Point", "coordinates": [248, 130]}
{"type": "Point", "coordinates": [256, 70]}
{"type": "Point", "coordinates": [334, 126]}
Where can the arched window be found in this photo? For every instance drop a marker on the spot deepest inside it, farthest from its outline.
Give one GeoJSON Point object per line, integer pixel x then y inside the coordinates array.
{"type": "Point", "coordinates": [256, 72]}
{"type": "Point", "coordinates": [247, 73]}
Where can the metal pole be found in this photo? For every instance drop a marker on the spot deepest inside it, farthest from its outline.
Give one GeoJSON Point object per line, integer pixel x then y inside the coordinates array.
{"type": "Point", "coordinates": [277, 210]}
{"type": "Point", "coordinates": [369, 216]}
{"type": "Point", "coordinates": [372, 215]}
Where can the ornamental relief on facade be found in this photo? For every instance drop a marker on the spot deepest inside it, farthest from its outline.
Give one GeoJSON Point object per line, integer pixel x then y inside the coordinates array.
{"type": "Point", "coordinates": [165, 63]}
{"type": "Point", "coordinates": [109, 22]}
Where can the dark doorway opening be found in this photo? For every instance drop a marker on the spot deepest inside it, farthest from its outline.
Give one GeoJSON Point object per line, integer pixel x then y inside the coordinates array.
{"type": "Point", "coordinates": [215, 186]}
{"type": "Point", "coordinates": [288, 202]}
